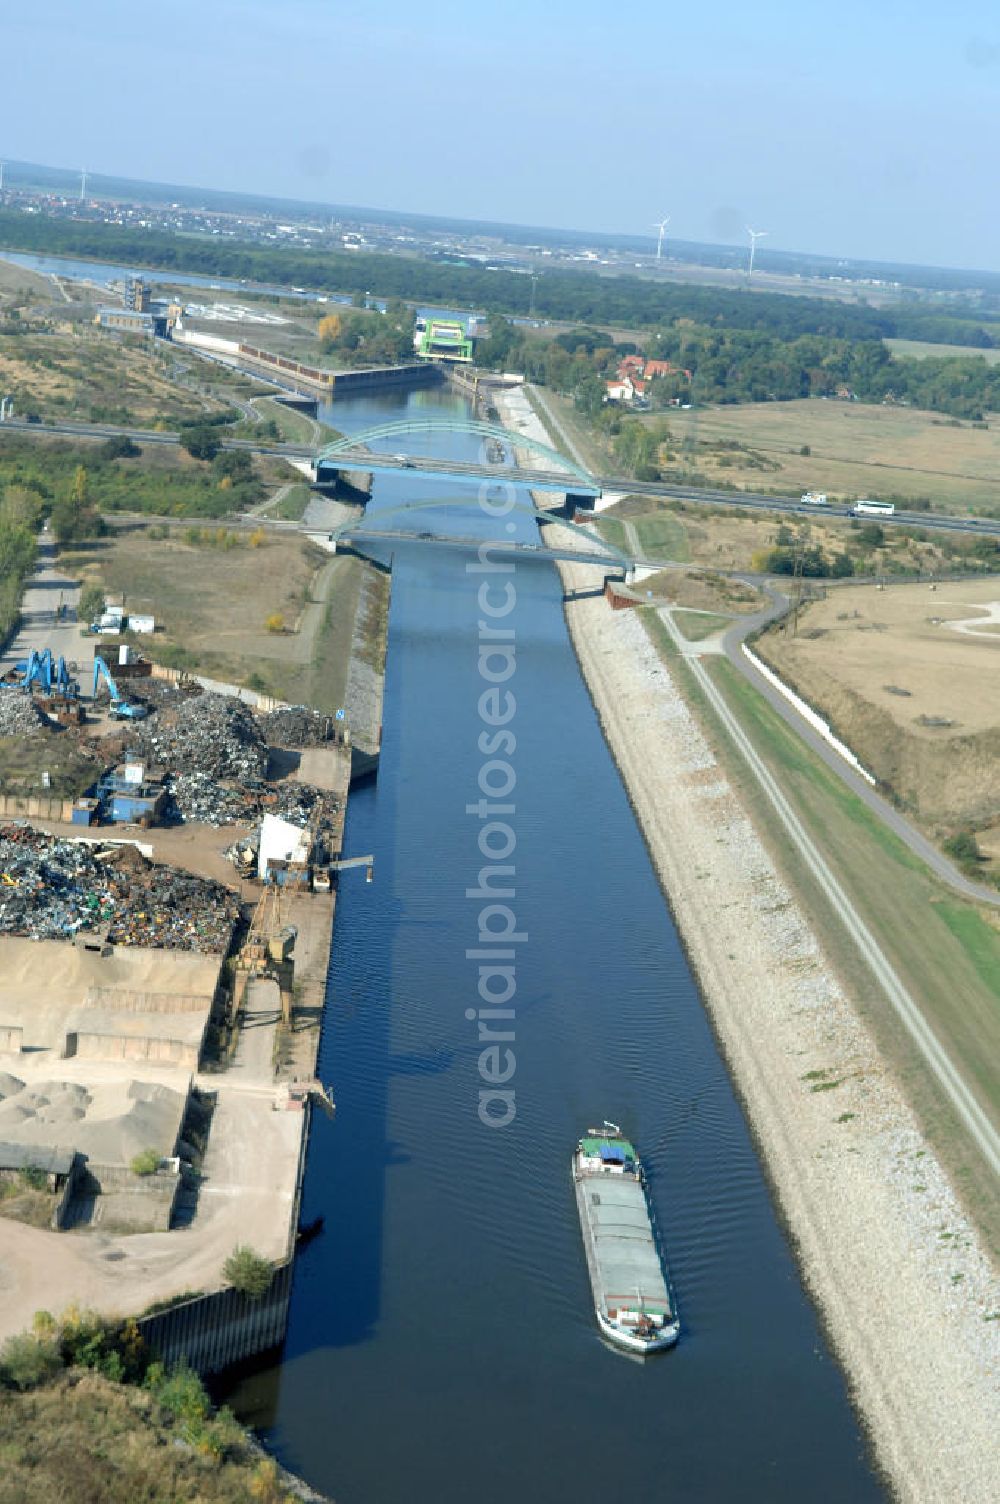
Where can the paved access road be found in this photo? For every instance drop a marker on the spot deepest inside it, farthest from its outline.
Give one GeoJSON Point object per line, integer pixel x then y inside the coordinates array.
{"type": "Point", "coordinates": [41, 625]}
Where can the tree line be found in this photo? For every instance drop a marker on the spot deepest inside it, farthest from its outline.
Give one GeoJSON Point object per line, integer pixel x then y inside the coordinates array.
{"type": "Point", "coordinates": [20, 512]}
{"type": "Point", "coordinates": [565, 295]}
{"type": "Point", "coordinates": [742, 365]}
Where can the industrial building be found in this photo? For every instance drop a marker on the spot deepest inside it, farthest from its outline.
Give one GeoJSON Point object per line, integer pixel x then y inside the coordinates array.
{"type": "Point", "coordinates": [132, 321]}
{"type": "Point", "coordinates": [442, 339]}
{"type": "Point", "coordinates": [131, 794]}
{"type": "Point", "coordinates": [137, 296]}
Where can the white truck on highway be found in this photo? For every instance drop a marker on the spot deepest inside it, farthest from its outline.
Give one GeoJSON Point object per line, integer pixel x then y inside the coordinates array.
{"type": "Point", "coordinates": [814, 498]}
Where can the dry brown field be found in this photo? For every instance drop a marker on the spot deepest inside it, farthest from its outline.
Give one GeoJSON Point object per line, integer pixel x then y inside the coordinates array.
{"type": "Point", "coordinates": [82, 373]}
{"type": "Point", "coordinates": [17, 283]}
{"type": "Point", "coordinates": [857, 449]}
{"type": "Point", "coordinates": [724, 539]}
{"type": "Point", "coordinates": [914, 695]}
{"type": "Point", "coordinates": [212, 603]}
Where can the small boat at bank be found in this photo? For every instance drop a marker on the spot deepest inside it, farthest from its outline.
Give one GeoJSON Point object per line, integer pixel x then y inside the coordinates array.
{"type": "Point", "coordinates": [632, 1299]}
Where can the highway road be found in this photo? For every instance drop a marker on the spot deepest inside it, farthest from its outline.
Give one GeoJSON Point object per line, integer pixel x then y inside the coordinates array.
{"type": "Point", "coordinates": [742, 500]}
{"type": "Point", "coordinates": [435, 468]}
{"type": "Point", "coordinates": [70, 430]}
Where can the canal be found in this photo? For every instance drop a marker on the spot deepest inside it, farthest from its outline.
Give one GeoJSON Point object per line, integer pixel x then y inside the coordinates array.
{"type": "Point", "coordinates": [441, 1343]}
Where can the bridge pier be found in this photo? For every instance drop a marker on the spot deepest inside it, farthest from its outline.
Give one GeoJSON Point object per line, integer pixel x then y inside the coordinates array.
{"type": "Point", "coordinates": [357, 488]}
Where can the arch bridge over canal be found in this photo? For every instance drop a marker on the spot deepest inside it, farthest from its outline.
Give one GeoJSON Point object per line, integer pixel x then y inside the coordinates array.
{"type": "Point", "coordinates": [552, 473]}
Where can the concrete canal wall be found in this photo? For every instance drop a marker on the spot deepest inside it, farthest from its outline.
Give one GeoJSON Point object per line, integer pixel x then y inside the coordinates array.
{"type": "Point", "coordinates": [214, 1331]}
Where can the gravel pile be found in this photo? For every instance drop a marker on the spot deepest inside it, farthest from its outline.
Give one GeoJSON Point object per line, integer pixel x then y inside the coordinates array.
{"type": "Point", "coordinates": [18, 714]}
{"type": "Point", "coordinates": [212, 734]}
{"type": "Point", "coordinates": [53, 888]}
{"type": "Point", "coordinates": [296, 726]}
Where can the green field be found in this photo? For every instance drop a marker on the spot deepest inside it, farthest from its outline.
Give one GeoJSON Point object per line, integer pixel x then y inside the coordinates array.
{"type": "Point", "coordinates": [663, 536]}
{"type": "Point", "coordinates": [292, 506]}
{"type": "Point", "coordinates": [945, 951]}
{"type": "Point", "coordinates": [612, 532]}
{"type": "Point", "coordinates": [697, 625]}
{"type": "Point", "coordinates": [918, 349]}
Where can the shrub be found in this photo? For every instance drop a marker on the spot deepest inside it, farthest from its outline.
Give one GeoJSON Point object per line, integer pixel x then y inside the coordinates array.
{"type": "Point", "coordinates": [26, 1361]}
{"type": "Point", "coordinates": [275, 622]}
{"type": "Point", "coordinates": [200, 442]}
{"type": "Point", "coordinates": [147, 1162]}
{"type": "Point", "coordinates": [120, 447]}
{"type": "Point", "coordinates": [248, 1271]}
{"type": "Point", "coordinates": [91, 602]}
{"type": "Point", "coordinates": [964, 847]}
{"type": "Point", "coordinates": [180, 1391]}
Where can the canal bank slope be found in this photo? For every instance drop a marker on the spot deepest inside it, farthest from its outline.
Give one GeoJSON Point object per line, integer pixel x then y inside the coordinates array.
{"type": "Point", "coordinates": [908, 1296]}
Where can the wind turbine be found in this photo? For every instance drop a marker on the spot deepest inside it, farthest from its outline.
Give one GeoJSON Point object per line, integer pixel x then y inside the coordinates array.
{"type": "Point", "coordinates": [660, 225]}
{"type": "Point", "coordinates": [755, 235]}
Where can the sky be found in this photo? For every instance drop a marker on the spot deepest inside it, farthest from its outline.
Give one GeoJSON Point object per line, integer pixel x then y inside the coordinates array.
{"type": "Point", "coordinates": [864, 128]}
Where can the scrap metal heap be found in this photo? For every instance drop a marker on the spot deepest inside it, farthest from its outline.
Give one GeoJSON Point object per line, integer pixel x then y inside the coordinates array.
{"type": "Point", "coordinates": [216, 748]}
{"type": "Point", "coordinates": [199, 798]}
{"type": "Point", "coordinates": [51, 888]}
{"type": "Point", "coordinates": [19, 715]}
{"type": "Point", "coordinates": [219, 736]}
{"type": "Point", "coordinates": [296, 726]}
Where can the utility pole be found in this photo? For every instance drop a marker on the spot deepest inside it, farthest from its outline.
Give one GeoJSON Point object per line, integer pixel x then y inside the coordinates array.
{"type": "Point", "coordinates": [797, 577]}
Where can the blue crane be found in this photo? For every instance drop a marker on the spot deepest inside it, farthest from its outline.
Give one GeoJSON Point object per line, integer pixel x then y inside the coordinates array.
{"type": "Point", "coordinates": [121, 709]}
{"type": "Point", "coordinates": [38, 670]}
{"type": "Point", "coordinates": [42, 669]}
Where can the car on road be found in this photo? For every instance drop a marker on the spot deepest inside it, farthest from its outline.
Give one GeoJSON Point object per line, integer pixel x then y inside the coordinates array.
{"type": "Point", "coordinates": [404, 460]}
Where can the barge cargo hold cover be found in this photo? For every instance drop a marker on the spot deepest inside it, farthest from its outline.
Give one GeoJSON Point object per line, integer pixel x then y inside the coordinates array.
{"type": "Point", "coordinates": [631, 1296]}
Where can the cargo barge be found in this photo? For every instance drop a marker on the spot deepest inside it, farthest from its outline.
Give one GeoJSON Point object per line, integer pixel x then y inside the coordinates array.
{"type": "Point", "coordinates": [632, 1300]}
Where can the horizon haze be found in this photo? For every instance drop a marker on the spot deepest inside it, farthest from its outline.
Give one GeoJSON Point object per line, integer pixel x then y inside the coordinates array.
{"type": "Point", "coordinates": [580, 120]}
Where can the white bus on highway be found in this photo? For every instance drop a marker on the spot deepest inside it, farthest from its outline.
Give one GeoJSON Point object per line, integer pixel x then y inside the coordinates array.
{"type": "Point", "coordinates": [873, 508]}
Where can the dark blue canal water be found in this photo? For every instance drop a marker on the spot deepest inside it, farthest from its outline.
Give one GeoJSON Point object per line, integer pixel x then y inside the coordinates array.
{"type": "Point", "coordinates": [442, 1345]}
